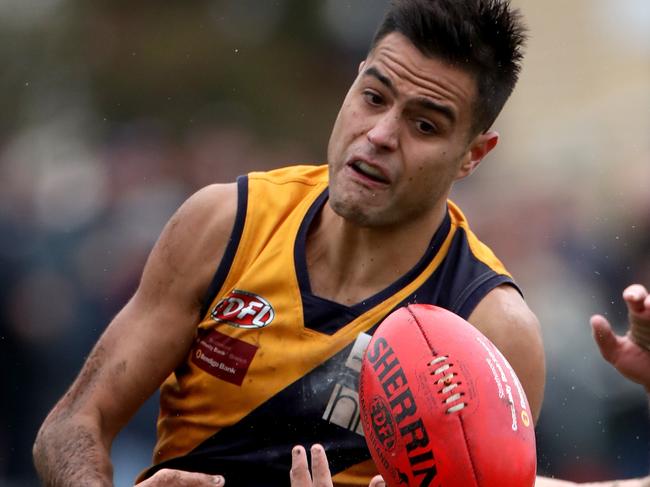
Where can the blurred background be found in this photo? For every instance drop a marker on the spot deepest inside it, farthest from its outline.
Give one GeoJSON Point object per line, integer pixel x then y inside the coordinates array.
{"type": "Point", "coordinates": [113, 112]}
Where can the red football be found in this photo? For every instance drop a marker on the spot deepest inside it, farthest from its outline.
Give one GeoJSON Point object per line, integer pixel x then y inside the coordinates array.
{"type": "Point", "coordinates": [441, 406]}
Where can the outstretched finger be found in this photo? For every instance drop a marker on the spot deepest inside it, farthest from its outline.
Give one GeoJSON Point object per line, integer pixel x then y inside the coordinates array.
{"type": "Point", "coordinates": [320, 469]}
{"type": "Point", "coordinates": [299, 473]}
{"type": "Point", "coordinates": [377, 481]}
{"type": "Point", "coordinates": [638, 300]}
{"type": "Point", "coordinates": [638, 305]}
{"type": "Point", "coordinates": [605, 338]}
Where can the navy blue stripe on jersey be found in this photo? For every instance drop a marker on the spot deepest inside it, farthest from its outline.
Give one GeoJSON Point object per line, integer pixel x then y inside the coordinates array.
{"type": "Point", "coordinates": [324, 315]}
{"type": "Point", "coordinates": [460, 281]}
{"type": "Point", "coordinates": [458, 285]}
{"type": "Point", "coordinates": [328, 317]}
{"type": "Point", "coordinates": [299, 252]}
{"type": "Point", "coordinates": [229, 254]}
{"type": "Point", "coordinates": [265, 437]}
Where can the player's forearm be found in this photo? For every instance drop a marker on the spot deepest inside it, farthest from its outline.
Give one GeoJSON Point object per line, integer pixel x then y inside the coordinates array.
{"type": "Point", "coordinates": [644, 482]}
{"type": "Point", "coordinates": [548, 482]}
{"type": "Point", "coordinates": [70, 453]}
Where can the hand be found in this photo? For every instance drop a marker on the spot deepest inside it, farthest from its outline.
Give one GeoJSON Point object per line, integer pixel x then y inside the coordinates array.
{"type": "Point", "coordinates": [180, 478]}
{"type": "Point", "coordinates": [320, 475]}
{"type": "Point", "coordinates": [320, 471]}
{"type": "Point", "coordinates": [628, 353]}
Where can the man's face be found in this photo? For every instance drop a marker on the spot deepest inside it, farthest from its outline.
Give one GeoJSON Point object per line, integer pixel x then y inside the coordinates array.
{"type": "Point", "coordinates": [401, 137]}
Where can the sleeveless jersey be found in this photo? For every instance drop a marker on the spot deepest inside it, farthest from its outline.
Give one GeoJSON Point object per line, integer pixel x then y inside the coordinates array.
{"type": "Point", "coordinates": [273, 365]}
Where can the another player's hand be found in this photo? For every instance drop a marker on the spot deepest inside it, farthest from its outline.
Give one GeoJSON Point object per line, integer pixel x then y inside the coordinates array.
{"type": "Point", "coordinates": [180, 478]}
{"type": "Point", "coordinates": [320, 471]}
{"type": "Point", "coordinates": [629, 353]}
{"type": "Point", "coordinates": [320, 475]}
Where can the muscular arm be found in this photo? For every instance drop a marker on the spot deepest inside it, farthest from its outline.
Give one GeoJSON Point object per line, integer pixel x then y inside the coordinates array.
{"type": "Point", "coordinates": [505, 318]}
{"type": "Point", "coordinates": [142, 345]}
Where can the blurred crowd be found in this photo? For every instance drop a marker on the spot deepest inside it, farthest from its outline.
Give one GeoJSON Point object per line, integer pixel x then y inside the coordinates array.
{"type": "Point", "coordinates": [114, 113]}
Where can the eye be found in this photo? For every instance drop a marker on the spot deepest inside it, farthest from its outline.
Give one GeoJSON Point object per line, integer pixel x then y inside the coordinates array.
{"type": "Point", "coordinates": [425, 127]}
{"type": "Point", "coordinates": [373, 98]}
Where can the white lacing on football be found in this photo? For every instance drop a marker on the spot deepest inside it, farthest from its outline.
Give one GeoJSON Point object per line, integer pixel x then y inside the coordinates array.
{"type": "Point", "coordinates": [436, 360]}
{"type": "Point", "coordinates": [449, 384]}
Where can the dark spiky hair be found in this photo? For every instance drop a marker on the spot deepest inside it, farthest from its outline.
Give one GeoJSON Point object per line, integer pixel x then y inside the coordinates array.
{"type": "Point", "coordinates": [484, 37]}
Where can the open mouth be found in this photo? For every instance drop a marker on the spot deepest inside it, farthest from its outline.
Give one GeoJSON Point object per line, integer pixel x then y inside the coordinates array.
{"type": "Point", "coordinates": [369, 171]}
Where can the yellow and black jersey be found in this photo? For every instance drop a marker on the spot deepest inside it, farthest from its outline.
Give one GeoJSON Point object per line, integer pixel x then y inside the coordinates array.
{"type": "Point", "coordinates": [273, 365]}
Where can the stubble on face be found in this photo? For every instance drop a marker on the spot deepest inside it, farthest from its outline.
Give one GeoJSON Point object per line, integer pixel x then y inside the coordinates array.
{"type": "Point", "coordinates": [423, 169]}
{"type": "Point", "coordinates": [354, 212]}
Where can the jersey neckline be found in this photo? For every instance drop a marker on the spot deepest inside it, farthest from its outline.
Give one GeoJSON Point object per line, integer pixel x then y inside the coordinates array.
{"type": "Point", "coordinates": [302, 273]}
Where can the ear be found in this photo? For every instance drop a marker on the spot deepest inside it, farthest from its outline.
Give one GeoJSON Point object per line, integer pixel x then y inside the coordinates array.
{"type": "Point", "coordinates": [478, 149]}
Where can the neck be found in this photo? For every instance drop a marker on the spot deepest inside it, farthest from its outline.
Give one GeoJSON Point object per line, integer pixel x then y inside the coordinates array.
{"type": "Point", "coordinates": [348, 263]}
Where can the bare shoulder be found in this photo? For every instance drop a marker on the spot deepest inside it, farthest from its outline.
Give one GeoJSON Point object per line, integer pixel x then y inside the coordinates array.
{"type": "Point", "coordinates": [196, 235]}
{"type": "Point", "coordinates": [214, 196]}
{"type": "Point", "coordinates": [503, 312]}
{"type": "Point", "coordinates": [505, 318]}
{"type": "Point", "coordinates": [212, 208]}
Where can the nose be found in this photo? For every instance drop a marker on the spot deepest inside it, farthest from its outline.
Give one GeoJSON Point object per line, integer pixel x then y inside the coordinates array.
{"type": "Point", "coordinates": [384, 134]}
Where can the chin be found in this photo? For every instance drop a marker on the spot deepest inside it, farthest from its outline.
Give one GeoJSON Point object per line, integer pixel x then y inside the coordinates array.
{"type": "Point", "coordinates": [361, 216]}
{"type": "Point", "coordinates": [352, 213]}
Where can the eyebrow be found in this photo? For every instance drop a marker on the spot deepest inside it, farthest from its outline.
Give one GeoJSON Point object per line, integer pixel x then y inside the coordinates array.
{"type": "Point", "coordinates": [423, 102]}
